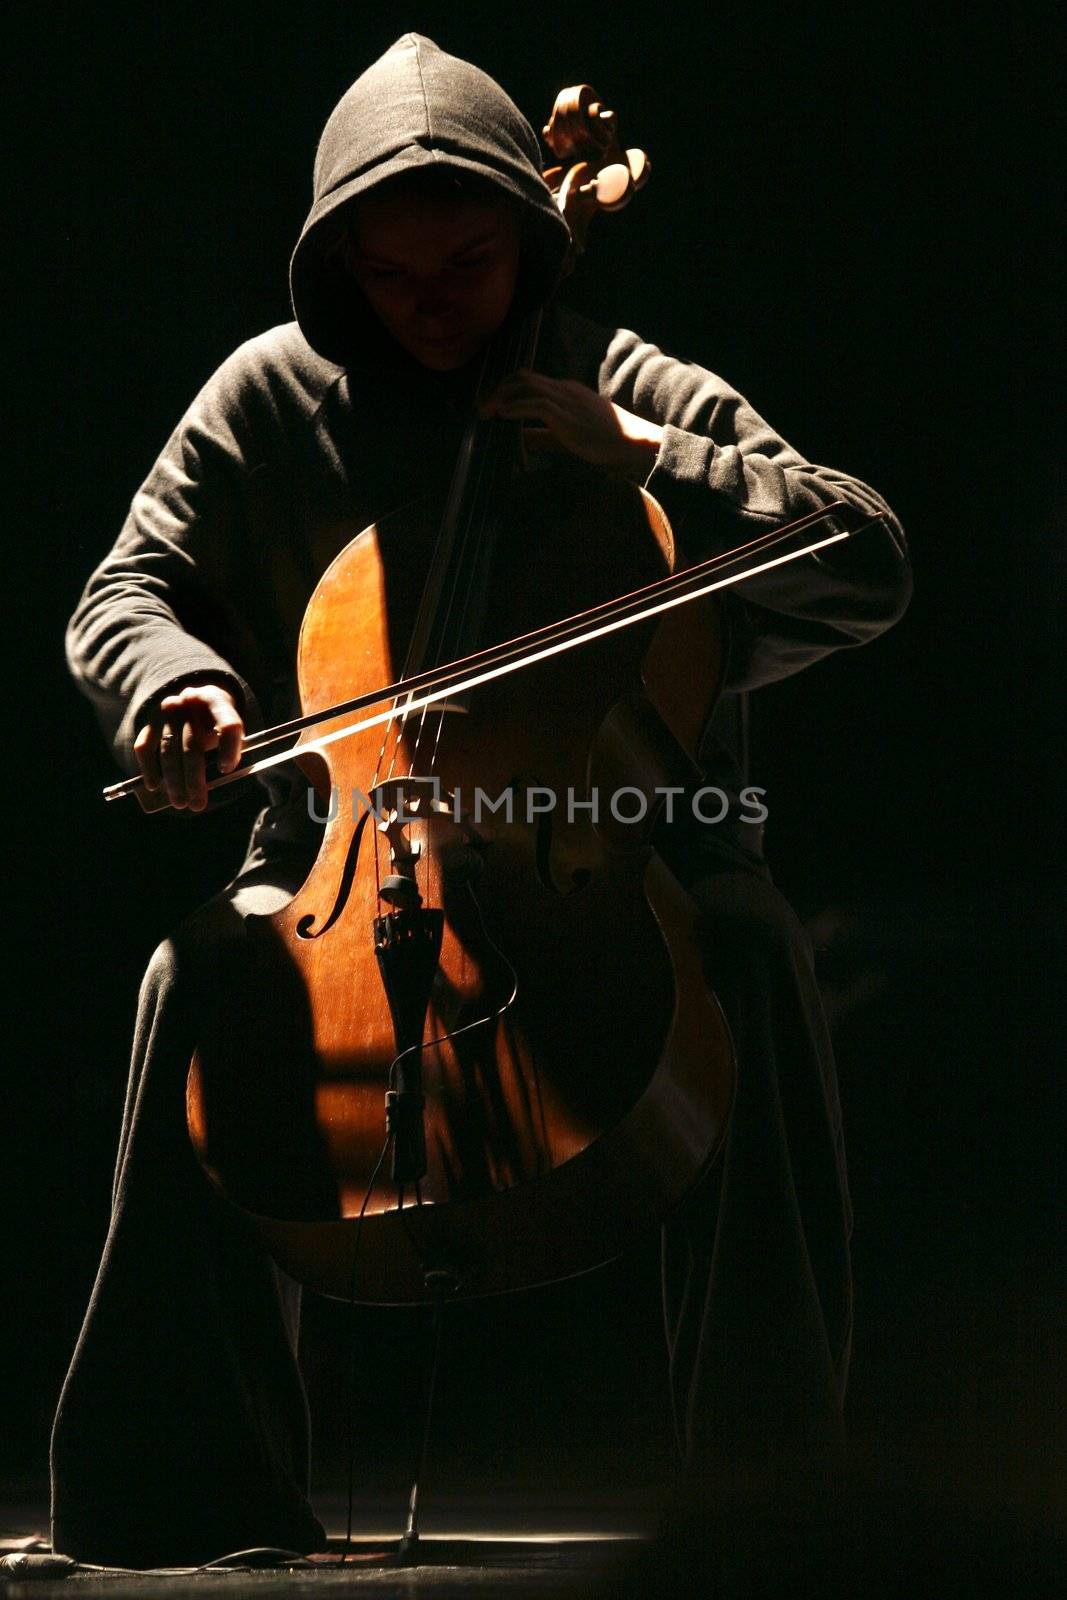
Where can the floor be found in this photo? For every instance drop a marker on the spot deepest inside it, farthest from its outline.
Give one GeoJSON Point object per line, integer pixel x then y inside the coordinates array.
{"type": "Point", "coordinates": [525, 1549]}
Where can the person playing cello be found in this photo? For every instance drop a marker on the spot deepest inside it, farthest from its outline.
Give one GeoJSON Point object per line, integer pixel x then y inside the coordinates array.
{"type": "Point", "coordinates": [181, 1432]}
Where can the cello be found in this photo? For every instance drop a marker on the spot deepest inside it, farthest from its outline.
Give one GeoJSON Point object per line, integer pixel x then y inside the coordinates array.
{"type": "Point", "coordinates": [447, 1088]}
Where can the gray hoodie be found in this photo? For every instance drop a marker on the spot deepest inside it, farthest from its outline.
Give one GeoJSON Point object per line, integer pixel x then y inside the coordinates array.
{"type": "Point", "coordinates": [314, 429]}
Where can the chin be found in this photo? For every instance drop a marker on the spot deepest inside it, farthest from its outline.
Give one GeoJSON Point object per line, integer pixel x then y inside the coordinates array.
{"type": "Point", "coordinates": [440, 362]}
{"type": "Point", "coordinates": [448, 359]}
{"type": "Point", "coordinates": [445, 355]}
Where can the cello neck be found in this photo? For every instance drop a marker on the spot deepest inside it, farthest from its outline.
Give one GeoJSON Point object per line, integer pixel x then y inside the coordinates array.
{"type": "Point", "coordinates": [451, 613]}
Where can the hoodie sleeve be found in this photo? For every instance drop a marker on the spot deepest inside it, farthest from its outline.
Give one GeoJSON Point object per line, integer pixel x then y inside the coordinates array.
{"type": "Point", "coordinates": [723, 476]}
{"type": "Point", "coordinates": [158, 612]}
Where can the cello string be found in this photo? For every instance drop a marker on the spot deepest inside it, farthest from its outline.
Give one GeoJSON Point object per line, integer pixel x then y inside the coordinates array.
{"type": "Point", "coordinates": [447, 523]}
{"type": "Point", "coordinates": [457, 490]}
{"type": "Point", "coordinates": [532, 331]}
{"type": "Point", "coordinates": [459, 563]}
{"type": "Point", "coordinates": [478, 544]}
{"type": "Point", "coordinates": [522, 352]}
{"type": "Point", "coordinates": [439, 634]}
{"type": "Point", "coordinates": [465, 562]}
{"type": "Point", "coordinates": [466, 566]}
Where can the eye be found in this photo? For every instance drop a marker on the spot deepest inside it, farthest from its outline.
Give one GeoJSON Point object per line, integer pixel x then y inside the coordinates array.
{"type": "Point", "coordinates": [472, 263]}
{"type": "Point", "coordinates": [376, 272]}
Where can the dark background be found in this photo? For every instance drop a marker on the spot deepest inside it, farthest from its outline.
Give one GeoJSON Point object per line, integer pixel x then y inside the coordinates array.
{"type": "Point", "coordinates": [847, 219]}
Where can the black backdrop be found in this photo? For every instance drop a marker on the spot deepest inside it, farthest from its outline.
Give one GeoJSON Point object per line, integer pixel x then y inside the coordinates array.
{"type": "Point", "coordinates": [842, 221]}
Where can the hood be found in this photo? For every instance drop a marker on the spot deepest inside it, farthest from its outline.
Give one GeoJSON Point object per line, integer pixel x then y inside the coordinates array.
{"type": "Point", "coordinates": [416, 107]}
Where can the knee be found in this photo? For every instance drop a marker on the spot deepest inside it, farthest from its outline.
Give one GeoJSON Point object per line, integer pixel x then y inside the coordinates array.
{"type": "Point", "coordinates": [194, 954]}
{"type": "Point", "coordinates": [160, 974]}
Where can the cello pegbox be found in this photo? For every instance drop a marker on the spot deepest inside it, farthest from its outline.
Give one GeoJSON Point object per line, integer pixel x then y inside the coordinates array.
{"type": "Point", "coordinates": [595, 174]}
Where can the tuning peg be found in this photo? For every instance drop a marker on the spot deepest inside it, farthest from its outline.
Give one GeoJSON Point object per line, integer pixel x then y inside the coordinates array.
{"type": "Point", "coordinates": [639, 166]}
{"type": "Point", "coordinates": [611, 186]}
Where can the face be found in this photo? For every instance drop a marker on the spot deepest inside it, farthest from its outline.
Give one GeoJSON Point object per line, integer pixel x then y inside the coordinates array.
{"type": "Point", "coordinates": [439, 273]}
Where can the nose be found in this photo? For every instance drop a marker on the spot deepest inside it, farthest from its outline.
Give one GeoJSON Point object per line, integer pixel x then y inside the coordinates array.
{"type": "Point", "coordinates": [436, 295]}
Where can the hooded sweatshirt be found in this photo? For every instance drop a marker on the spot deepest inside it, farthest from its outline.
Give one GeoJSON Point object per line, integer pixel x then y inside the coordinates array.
{"type": "Point", "coordinates": [312, 430]}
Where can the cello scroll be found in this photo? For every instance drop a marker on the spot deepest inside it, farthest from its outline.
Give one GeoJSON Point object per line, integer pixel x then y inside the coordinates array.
{"type": "Point", "coordinates": [596, 173]}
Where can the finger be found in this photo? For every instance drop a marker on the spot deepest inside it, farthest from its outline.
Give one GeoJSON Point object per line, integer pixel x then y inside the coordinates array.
{"type": "Point", "coordinates": [219, 725]}
{"type": "Point", "coordinates": [555, 418]}
{"type": "Point", "coordinates": [146, 752]}
{"type": "Point", "coordinates": [170, 761]}
{"type": "Point", "coordinates": [525, 383]}
{"type": "Point", "coordinates": [198, 712]}
{"type": "Point", "coordinates": [206, 694]}
{"type": "Point", "coordinates": [564, 391]}
{"type": "Point", "coordinates": [215, 718]}
{"type": "Point", "coordinates": [529, 379]}
{"type": "Point", "coordinates": [520, 386]}
{"type": "Point", "coordinates": [198, 704]}
{"type": "Point", "coordinates": [528, 408]}
{"type": "Point", "coordinates": [193, 737]}
{"type": "Point", "coordinates": [230, 732]}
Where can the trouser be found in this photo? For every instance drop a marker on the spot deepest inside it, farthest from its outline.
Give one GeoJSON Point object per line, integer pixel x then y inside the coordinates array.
{"type": "Point", "coordinates": [182, 1429]}
{"type": "Point", "coordinates": [757, 1287]}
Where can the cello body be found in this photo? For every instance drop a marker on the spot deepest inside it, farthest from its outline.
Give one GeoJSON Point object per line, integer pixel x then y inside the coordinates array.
{"type": "Point", "coordinates": [575, 1072]}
